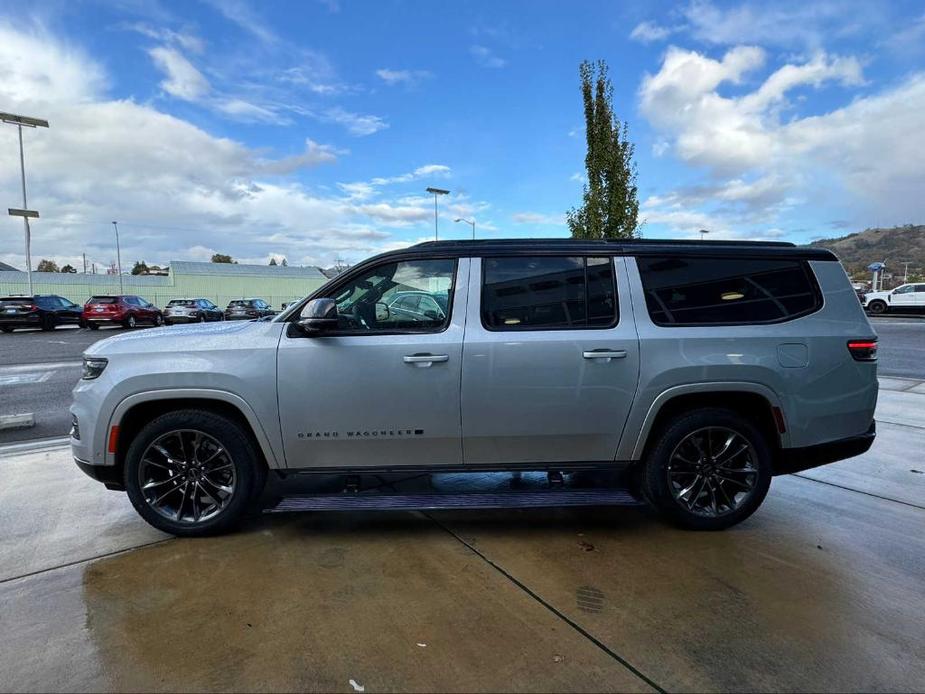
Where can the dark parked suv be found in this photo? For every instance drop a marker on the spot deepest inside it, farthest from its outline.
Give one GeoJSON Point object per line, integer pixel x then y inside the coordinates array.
{"type": "Point", "coordinates": [248, 309]}
{"type": "Point", "coordinates": [43, 311]}
{"type": "Point", "coordinates": [126, 310]}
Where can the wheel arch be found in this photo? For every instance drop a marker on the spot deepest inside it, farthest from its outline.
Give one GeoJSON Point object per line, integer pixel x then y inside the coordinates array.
{"type": "Point", "coordinates": [137, 410]}
{"type": "Point", "coordinates": [754, 400]}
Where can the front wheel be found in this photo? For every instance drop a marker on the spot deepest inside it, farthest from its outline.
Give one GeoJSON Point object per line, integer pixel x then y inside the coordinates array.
{"type": "Point", "coordinates": [708, 470]}
{"type": "Point", "coordinates": [192, 473]}
{"type": "Point", "coordinates": [877, 307]}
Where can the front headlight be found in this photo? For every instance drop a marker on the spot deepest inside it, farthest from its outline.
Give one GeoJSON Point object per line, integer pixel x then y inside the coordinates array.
{"type": "Point", "coordinates": [93, 367]}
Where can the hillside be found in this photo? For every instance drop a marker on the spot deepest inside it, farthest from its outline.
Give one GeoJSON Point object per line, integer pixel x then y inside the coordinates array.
{"type": "Point", "coordinates": [894, 246]}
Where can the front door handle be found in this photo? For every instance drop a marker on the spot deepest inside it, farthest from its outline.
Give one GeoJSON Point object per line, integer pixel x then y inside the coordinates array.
{"type": "Point", "coordinates": [422, 360]}
{"type": "Point", "coordinates": [607, 354]}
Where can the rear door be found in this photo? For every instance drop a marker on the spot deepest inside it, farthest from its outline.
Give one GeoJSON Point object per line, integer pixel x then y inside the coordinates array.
{"type": "Point", "coordinates": [551, 360]}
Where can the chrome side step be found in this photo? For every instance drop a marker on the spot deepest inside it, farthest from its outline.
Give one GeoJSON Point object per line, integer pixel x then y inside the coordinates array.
{"type": "Point", "coordinates": [430, 502]}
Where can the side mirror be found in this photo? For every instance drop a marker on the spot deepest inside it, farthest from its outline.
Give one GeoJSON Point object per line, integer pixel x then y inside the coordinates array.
{"type": "Point", "coordinates": [317, 316]}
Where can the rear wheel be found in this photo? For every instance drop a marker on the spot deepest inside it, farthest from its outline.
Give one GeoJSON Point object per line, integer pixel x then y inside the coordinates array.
{"type": "Point", "coordinates": [6, 329]}
{"type": "Point", "coordinates": [192, 473]}
{"type": "Point", "coordinates": [708, 470]}
{"type": "Point", "coordinates": [48, 322]}
{"type": "Point", "coordinates": [877, 306]}
{"type": "Point", "coordinates": [130, 322]}
{"type": "Point", "coordinates": [202, 318]}
{"type": "Point", "coordinates": [93, 326]}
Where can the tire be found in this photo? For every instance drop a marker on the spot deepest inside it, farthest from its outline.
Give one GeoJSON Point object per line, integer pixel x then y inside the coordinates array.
{"type": "Point", "coordinates": [721, 499]}
{"type": "Point", "coordinates": [240, 457]}
{"type": "Point", "coordinates": [158, 320]}
{"type": "Point", "coordinates": [130, 322]}
{"type": "Point", "coordinates": [202, 318]}
{"type": "Point", "coordinates": [877, 307]}
{"type": "Point", "coordinates": [6, 329]}
{"type": "Point", "coordinates": [168, 322]}
{"type": "Point", "coordinates": [48, 323]}
{"type": "Point", "coordinates": [93, 326]}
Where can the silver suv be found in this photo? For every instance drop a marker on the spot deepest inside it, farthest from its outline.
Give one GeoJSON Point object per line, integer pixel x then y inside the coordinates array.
{"type": "Point", "coordinates": [692, 373]}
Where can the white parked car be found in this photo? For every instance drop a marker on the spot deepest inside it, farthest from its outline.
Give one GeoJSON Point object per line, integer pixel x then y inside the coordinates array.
{"type": "Point", "coordinates": [908, 297]}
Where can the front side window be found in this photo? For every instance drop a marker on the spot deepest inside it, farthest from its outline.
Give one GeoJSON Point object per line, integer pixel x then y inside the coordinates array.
{"type": "Point", "coordinates": [375, 301]}
{"type": "Point", "coordinates": [709, 291]}
{"type": "Point", "coordinates": [548, 293]}
{"type": "Point", "coordinates": [905, 289]}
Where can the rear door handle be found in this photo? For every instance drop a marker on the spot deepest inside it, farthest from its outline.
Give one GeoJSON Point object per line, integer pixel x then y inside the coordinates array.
{"type": "Point", "coordinates": [425, 359]}
{"type": "Point", "coordinates": [605, 354]}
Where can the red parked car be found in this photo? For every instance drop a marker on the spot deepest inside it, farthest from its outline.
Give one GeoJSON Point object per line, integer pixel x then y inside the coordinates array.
{"type": "Point", "coordinates": [126, 309]}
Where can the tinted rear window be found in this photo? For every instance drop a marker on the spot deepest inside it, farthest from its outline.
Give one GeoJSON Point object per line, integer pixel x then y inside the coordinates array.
{"type": "Point", "coordinates": [548, 293]}
{"type": "Point", "coordinates": [240, 303]}
{"type": "Point", "coordinates": [182, 302]}
{"type": "Point", "coordinates": [103, 300]}
{"type": "Point", "coordinates": [705, 291]}
{"type": "Point", "coordinates": [16, 300]}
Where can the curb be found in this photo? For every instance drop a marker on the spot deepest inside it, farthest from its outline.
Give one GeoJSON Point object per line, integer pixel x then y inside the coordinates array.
{"type": "Point", "coordinates": [25, 420]}
{"type": "Point", "coordinates": [34, 445]}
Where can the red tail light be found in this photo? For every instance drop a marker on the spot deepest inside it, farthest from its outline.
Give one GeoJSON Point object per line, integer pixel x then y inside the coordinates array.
{"type": "Point", "coordinates": [863, 350]}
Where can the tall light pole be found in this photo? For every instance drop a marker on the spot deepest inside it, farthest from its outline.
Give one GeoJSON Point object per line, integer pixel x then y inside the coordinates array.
{"type": "Point", "coordinates": [25, 212]}
{"type": "Point", "coordinates": [703, 232]}
{"type": "Point", "coordinates": [468, 221]}
{"type": "Point", "coordinates": [436, 192]}
{"type": "Point", "coordinates": [118, 257]}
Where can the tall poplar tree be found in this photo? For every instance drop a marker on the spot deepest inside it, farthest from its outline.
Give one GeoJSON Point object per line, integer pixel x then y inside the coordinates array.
{"type": "Point", "coordinates": [610, 206]}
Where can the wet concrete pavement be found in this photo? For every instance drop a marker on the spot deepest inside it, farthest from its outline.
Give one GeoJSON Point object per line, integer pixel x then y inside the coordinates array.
{"type": "Point", "coordinates": [821, 590]}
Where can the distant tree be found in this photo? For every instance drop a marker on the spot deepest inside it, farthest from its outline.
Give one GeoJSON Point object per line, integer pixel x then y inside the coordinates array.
{"type": "Point", "coordinates": [141, 268]}
{"type": "Point", "coordinates": [47, 266]}
{"type": "Point", "coordinates": [273, 262]}
{"type": "Point", "coordinates": [222, 258]}
{"type": "Point", "coordinates": [284, 263]}
{"type": "Point", "coordinates": [68, 268]}
{"type": "Point", "coordinates": [610, 206]}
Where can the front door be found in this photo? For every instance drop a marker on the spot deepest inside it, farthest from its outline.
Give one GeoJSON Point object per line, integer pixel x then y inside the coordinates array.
{"type": "Point", "coordinates": [551, 360]}
{"type": "Point", "coordinates": [383, 388]}
{"type": "Point", "coordinates": [903, 297]}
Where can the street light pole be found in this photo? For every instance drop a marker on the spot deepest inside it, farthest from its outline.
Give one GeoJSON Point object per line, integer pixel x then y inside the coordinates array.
{"type": "Point", "coordinates": [703, 232]}
{"type": "Point", "coordinates": [118, 257]}
{"type": "Point", "coordinates": [29, 122]}
{"type": "Point", "coordinates": [436, 192]}
{"type": "Point", "coordinates": [470, 222]}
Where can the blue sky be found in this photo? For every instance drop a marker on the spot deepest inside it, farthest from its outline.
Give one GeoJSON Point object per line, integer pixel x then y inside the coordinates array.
{"type": "Point", "coordinates": [310, 129]}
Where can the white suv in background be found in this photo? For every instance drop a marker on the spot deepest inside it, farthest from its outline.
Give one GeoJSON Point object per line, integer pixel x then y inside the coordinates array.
{"type": "Point", "coordinates": [908, 297]}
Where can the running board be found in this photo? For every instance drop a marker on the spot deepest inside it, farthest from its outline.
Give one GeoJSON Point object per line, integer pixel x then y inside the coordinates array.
{"type": "Point", "coordinates": [431, 502]}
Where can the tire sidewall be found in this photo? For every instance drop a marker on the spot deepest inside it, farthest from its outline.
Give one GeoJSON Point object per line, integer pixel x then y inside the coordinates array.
{"type": "Point", "coordinates": [655, 470]}
{"type": "Point", "coordinates": [878, 307]}
{"type": "Point", "coordinates": [230, 435]}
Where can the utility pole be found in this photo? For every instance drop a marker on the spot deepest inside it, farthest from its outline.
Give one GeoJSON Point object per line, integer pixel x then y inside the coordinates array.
{"type": "Point", "coordinates": [85, 263]}
{"type": "Point", "coordinates": [25, 212]}
{"type": "Point", "coordinates": [115, 226]}
{"type": "Point", "coordinates": [436, 192]}
{"type": "Point", "coordinates": [470, 222]}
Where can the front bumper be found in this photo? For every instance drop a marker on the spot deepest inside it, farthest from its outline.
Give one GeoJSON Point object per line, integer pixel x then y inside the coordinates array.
{"type": "Point", "coordinates": [109, 475]}
{"type": "Point", "coordinates": [792, 460]}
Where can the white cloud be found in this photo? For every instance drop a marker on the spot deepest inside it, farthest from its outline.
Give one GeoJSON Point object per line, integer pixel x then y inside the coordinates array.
{"type": "Point", "coordinates": [183, 80]}
{"type": "Point", "coordinates": [647, 32]}
{"type": "Point", "coordinates": [537, 218]}
{"type": "Point", "coordinates": [177, 190]}
{"type": "Point", "coordinates": [409, 78]}
{"type": "Point", "coordinates": [761, 155]}
{"type": "Point", "coordinates": [428, 170]}
{"type": "Point", "coordinates": [485, 57]}
{"type": "Point", "coordinates": [355, 123]}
